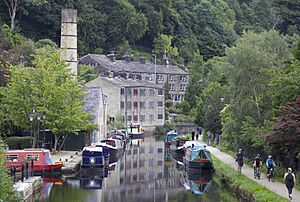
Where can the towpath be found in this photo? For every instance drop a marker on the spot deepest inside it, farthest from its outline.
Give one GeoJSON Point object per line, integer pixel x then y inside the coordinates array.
{"type": "Point", "coordinates": [276, 187]}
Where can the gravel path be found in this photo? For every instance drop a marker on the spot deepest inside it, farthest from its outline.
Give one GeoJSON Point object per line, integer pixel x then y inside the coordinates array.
{"type": "Point", "coordinates": [276, 187]}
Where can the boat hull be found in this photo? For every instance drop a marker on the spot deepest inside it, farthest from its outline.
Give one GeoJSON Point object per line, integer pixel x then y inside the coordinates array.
{"type": "Point", "coordinates": [196, 166]}
{"type": "Point", "coordinates": [56, 168]}
{"type": "Point", "coordinates": [136, 135]}
{"type": "Point", "coordinates": [177, 154]}
{"type": "Point", "coordinates": [115, 154]}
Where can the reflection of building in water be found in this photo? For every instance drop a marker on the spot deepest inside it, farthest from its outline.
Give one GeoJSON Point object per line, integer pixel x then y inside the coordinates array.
{"type": "Point", "coordinates": [142, 174]}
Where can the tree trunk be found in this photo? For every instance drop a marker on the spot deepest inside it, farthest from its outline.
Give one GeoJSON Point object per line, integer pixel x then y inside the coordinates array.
{"type": "Point", "coordinates": [63, 142]}
{"type": "Point", "coordinates": [13, 21]}
{"type": "Point", "coordinates": [55, 142]}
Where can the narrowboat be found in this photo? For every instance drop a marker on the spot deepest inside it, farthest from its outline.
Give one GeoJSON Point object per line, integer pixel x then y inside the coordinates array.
{"type": "Point", "coordinates": [200, 183]}
{"type": "Point", "coordinates": [42, 162]}
{"type": "Point", "coordinates": [115, 147]}
{"type": "Point", "coordinates": [92, 156]}
{"type": "Point", "coordinates": [177, 148]}
{"type": "Point", "coordinates": [125, 133]}
{"type": "Point", "coordinates": [118, 136]}
{"type": "Point", "coordinates": [105, 152]}
{"type": "Point", "coordinates": [169, 137]}
{"type": "Point", "coordinates": [135, 131]}
{"type": "Point", "coordinates": [197, 158]}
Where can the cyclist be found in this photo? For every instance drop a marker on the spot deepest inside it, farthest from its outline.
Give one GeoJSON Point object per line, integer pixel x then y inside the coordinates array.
{"type": "Point", "coordinates": [240, 160]}
{"type": "Point", "coordinates": [257, 163]}
{"type": "Point", "coordinates": [270, 165]}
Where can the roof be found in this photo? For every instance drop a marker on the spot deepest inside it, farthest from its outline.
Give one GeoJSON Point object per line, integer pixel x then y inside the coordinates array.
{"type": "Point", "coordinates": [121, 82]}
{"type": "Point", "coordinates": [134, 66]}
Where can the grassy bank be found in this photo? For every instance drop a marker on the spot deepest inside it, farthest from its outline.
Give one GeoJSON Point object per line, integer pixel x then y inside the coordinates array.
{"type": "Point", "coordinates": [279, 171]}
{"type": "Point", "coordinates": [243, 185]}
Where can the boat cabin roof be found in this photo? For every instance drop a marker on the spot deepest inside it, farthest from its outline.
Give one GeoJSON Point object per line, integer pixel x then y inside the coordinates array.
{"type": "Point", "coordinates": [94, 149]}
{"type": "Point", "coordinates": [28, 151]}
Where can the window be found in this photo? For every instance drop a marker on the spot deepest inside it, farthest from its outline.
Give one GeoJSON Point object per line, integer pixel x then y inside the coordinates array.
{"type": "Point", "coordinates": [159, 163]}
{"type": "Point", "coordinates": [160, 116]}
{"type": "Point", "coordinates": [12, 157]}
{"type": "Point", "coordinates": [142, 105]}
{"type": "Point", "coordinates": [182, 87]}
{"type": "Point", "coordinates": [142, 150]}
{"type": "Point", "coordinates": [159, 150]}
{"type": "Point", "coordinates": [31, 157]}
{"type": "Point", "coordinates": [160, 92]}
{"type": "Point", "coordinates": [160, 77]}
{"type": "Point", "coordinates": [142, 163]}
{"type": "Point", "coordinates": [160, 104]}
{"type": "Point", "coordinates": [122, 91]}
{"type": "Point", "coordinates": [151, 92]}
{"type": "Point", "coordinates": [122, 105]}
{"type": "Point", "coordinates": [182, 78]}
{"type": "Point", "coordinates": [135, 92]}
{"type": "Point", "coordinates": [135, 118]}
{"type": "Point", "coordinates": [129, 118]}
{"type": "Point", "coordinates": [128, 91]}
{"type": "Point", "coordinates": [171, 78]}
{"type": "Point", "coordinates": [151, 104]}
{"type": "Point", "coordinates": [142, 118]}
{"type": "Point", "coordinates": [134, 164]}
{"type": "Point", "coordinates": [176, 97]}
{"type": "Point", "coordinates": [128, 105]}
{"type": "Point", "coordinates": [151, 117]}
{"type": "Point", "coordinates": [142, 92]}
{"type": "Point", "coordinates": [111, 119]}
{"type": "Point", "coordinates": [135, 104]}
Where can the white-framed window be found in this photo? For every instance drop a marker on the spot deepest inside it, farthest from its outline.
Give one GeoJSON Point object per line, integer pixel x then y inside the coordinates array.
{"type": "Point", "coordinates": [182, 78]}
{"type": "Point", "coordinates": [160, 92]}
{"type": "Point", "coordinates": [160, 116]}
{"type": "Point", "coordinates": [142, 105]}
{"type": "Point", "coordinates": [142, 92]}
{"type": "Point", "coordinates": [151, 92]}
{"type": "Point", "coordinates": [171, 78]}
{"type": "Point", "coordinates": [34, 157]}
{"type": "Point", "coordinates": [160, 104]}
{"type": "Point", "coordinates": [12, 157]}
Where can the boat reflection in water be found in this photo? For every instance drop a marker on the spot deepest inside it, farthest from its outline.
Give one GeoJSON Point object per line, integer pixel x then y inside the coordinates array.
{"type": "Point", "coordinates": [199, 183]}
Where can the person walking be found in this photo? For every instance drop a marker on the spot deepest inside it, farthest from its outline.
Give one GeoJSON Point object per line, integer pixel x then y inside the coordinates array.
{"type": "Point", "coordinates": [209, 138]}
{"type": "Point", "coordinates": [239, 158]}
{"type": "Point", "coordinates": [197, 135]}
{"type": "Point", "coordinates": [290, 181]}
{"type": "Point", "coordinates": [193, 135]}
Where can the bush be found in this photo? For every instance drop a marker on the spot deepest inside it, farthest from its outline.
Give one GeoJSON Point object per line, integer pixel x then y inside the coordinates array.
{"type": "Point", "coordinates": [6, 188]}
{"type": "Point", "coordinates": [168, 103]}
{"type": "Point", "coordinates": [19, 142]}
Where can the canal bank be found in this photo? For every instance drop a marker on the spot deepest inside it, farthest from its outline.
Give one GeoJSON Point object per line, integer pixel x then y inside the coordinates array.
{"type": "Point", "coordinates": [245, 187]}
{"type": "Point", "coordinates": [275, 187]}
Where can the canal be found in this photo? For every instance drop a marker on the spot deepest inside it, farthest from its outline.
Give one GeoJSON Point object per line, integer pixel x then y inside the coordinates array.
{"type": "Point", "coordinates": [145, 173]}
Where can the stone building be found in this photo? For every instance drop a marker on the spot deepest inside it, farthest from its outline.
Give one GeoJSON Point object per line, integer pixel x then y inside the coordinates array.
{"type": "Point", "coordinates": [162, 74]}
{"type": "Point", "coordinates": [138, 102]}
{"type": "Point", "coordinates": [96, 103]}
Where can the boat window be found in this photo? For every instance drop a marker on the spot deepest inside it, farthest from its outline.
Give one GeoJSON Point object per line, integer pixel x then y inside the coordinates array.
{"type": "Point", "coordinates": [48, 160]}
{"type": "Point", "coordinates": [34, 157]}
{"type": "Point", "coordinates": [12, 157]}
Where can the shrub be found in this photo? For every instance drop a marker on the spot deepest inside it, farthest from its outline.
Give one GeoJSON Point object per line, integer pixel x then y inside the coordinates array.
{"type": "Point", "coordinates": [19, 142]}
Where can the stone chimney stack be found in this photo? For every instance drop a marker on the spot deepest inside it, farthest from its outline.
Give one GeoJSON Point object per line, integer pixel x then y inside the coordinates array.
{"type": "Point", "coordinates": [142, 59]}
{"type": "Point", "coordinates": [165, 60]}
{"type": "Point", "coordinates": [69, 38]}
{"type": "Point", "coordinates": [126, 57]}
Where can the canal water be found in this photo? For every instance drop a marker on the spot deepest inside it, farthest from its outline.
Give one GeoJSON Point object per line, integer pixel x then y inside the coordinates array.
{"type": "Point", "coordinates": [146, 172]}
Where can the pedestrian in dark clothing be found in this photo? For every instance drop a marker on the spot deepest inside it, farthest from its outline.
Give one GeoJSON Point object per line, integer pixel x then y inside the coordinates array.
{"type": "Point", "coordinates": [290, 181]}
{"type": "Point", "coordinates": [193, 135]}
{"type": "Point", "coordinates": [240, 160]}
{"type": "Point", "coordinates": [197, 135]}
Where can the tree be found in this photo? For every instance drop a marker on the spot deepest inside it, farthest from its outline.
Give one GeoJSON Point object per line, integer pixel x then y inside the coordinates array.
{"type": "Point", "coordinates": [285, 136]}
{"type": "Point", "coordinates": [86, 73]}
{"type": "Point", "coordinates": [14, 6]}
{"type": "Point", "coordinates": [163, 45]}
{"type": "Point", "coordinates": [7, 193]}
{"type": "Point", "coordinates": [50, 88]}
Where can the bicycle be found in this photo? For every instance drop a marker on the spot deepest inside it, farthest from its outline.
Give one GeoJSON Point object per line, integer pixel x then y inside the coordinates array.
{"type": "Point", "coordinates": [257, 173]}
{"type": "Point", "coordinates": [271, 175]}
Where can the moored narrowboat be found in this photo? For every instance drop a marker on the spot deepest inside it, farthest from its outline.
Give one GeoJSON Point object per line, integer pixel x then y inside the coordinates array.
{"type": "Point", "coordinates": [115, 147]}
{"type": "Point", "coordinates": [92, 157]}
{"type": "Point", "coordinates": [197, 158]}
{"type": "Point", "coordinates": [42, 162]}
{"type": "Point", "coordinates": [169, 137]}
{"type": "Point", "coordinates": [177, 148]}
{"type": "Point", "coordinates": [105, 152]}
{"type": "Point", "coordinates": [135, 131]}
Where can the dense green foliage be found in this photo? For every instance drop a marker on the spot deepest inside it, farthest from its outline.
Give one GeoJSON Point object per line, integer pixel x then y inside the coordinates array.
{"type": "Point", "coordinates": [48, 87]}
{"type": "Point", "coordinates": [6, 184]}
{"type": "Point", "coordinates": [179, 27]}
{"type": "Point", "coordinates": [239, 95]}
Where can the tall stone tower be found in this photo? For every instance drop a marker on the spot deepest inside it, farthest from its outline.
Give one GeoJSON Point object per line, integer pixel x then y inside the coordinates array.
{"type": "Point", "coordinates": [68, 39]}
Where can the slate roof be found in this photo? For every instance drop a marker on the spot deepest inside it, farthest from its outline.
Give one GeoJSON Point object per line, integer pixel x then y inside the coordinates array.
{"type": "Point", "coordinates": [121, 82]}
{"type": "Point", "coordinates": [133, 66]}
